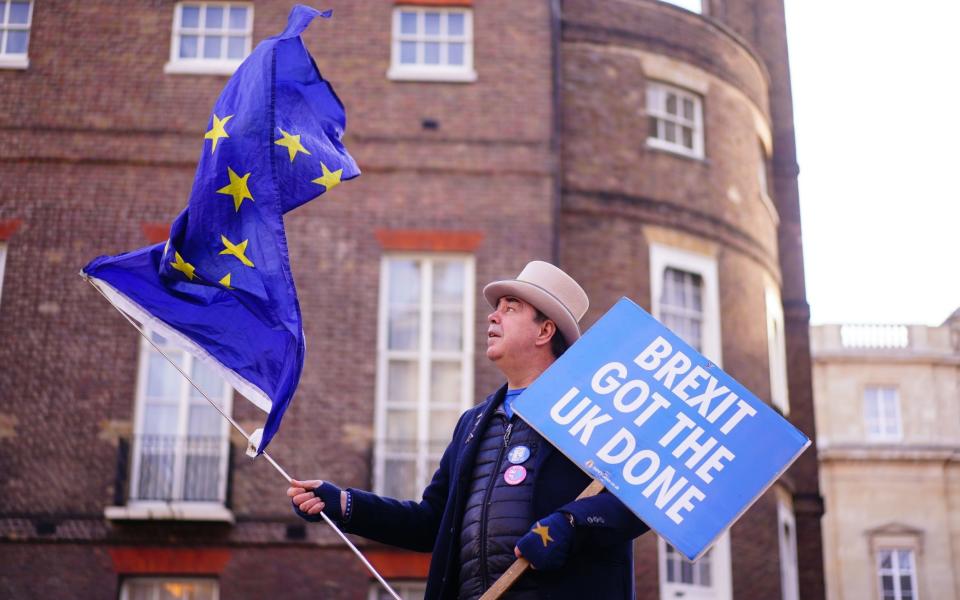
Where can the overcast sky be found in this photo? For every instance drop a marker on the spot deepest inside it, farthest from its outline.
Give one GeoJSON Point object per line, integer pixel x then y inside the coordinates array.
{"type": "Point", "coordinates": [876, 91]}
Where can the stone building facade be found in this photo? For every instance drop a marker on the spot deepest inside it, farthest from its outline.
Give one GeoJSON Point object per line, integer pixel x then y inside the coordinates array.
{"type": "Point", "coordinates": [887, 414]}
{"type": "Point", "coordinates": [645, 147]}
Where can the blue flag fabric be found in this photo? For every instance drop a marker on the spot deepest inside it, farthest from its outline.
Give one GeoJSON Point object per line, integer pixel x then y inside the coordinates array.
{"type": "Point", "coordinates": [221, 286]}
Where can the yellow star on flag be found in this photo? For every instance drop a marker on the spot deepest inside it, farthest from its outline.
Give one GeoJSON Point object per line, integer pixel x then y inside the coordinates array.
{"type": "Point", "coordinates": [235, 250]}
{"type": "Point", "coordinates": [182, 266]}
{"type": "Point", "coordinates": [225, 282]}
{"type": "Point", "coordinates": [237, 188]}
{"type": "Point", "coordinates": [291, 143]}
{"type": "Point", "coordinates": [543, 532]}
{"type": "Point", "coordinates": [330, 178]}
{"type": "Point", "coordinates": [217, 131]}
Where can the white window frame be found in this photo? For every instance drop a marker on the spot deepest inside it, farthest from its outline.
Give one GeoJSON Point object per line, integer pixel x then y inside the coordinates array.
{"type": "Point", "coordinates": [422, 72]}
{"type": "Point", "coordinates": [3, 264]}
{"type": "Point", "coordinates": [694, 6]}
{"type": "Point", "coordinates": [789, 570]}
{"type": "Point", "coordinates": [656, 108]}
{"type": "Point", "coordinates": [159, 581]}
{"type": "Point", "coordinates": [207, 66]}
{"type": "Point", "coordinates": [876, 393]}
{"type": "Point", "coordinates": [897, 570]}
{"type": "Point", "coordinates": [721, 584]}
{"type": "Point", "coordinates": [424, 356]}
{"type": "Point", "coordinates": [777, 348]}
{"type": "Point", "coordinates": [14, 61]}
{"type": "Point", "coordinates": [663, 257]}
{"type": "Point", "coordinates": [407, 590]}
{"type": "Point", "coordinates": [176, 509]}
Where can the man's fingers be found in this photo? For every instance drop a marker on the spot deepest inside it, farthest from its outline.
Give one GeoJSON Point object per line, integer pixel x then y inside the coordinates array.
{"type": "Point", "coordinates": [306, 506]}
{"type": "Point", "coordinates": [293, 491]}
{"type": "Point", "coordinates": [316, 508]}
{"type": "Point", "coordinates": [516, 552]}
{"type": "Point", "coordinates": [303, 497]}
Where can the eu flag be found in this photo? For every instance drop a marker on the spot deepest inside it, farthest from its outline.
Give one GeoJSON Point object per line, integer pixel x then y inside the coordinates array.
{"type": "Point", "coordinates": [221, 286]}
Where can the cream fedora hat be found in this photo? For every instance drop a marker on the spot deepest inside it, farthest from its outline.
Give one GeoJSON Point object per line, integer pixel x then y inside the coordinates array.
{"type": "Point", "coordinates": [550, 290]}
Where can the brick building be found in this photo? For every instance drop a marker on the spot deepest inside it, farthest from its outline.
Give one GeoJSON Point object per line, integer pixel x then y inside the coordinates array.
{"type": "Point", "coordinates": [646, 147]}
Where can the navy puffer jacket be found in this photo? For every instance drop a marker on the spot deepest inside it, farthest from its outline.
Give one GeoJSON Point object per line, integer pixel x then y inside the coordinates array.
{"type": "Point", "coordinates": [497, 513]}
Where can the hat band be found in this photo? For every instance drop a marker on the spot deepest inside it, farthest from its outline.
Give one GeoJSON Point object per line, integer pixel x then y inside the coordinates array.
{"type": "Point", "coordinates": [559, 301]}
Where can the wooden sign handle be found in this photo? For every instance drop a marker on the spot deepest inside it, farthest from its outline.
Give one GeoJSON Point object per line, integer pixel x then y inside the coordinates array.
{"type": "Point", "coordinates": [520, 566]}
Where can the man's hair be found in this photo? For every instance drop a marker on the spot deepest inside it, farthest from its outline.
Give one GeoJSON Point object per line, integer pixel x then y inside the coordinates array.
{"type": "Point", "coordinates": [558, 343]}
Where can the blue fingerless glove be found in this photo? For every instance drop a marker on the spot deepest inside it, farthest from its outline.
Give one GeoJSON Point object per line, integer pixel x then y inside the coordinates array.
{"type": "Point", "coordinates": [329, 494]}
{"type": "Point", "coordinates": [547, 544]}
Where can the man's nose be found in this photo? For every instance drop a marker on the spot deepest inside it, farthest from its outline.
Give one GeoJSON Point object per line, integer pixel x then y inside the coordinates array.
{"type": "Point", "coordinates": [494, 316]}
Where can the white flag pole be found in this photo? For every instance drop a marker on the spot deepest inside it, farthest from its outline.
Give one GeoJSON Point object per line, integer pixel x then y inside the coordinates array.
{"type": "Point", "coordinates": [246, 436]}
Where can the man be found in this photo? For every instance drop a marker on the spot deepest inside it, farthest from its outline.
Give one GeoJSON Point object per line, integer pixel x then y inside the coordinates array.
{"type": "Point", "coordinates": [501, 490]}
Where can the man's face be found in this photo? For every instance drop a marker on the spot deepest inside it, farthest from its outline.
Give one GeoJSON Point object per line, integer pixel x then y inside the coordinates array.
{"type": "Point", "coordinates": [511, 330]}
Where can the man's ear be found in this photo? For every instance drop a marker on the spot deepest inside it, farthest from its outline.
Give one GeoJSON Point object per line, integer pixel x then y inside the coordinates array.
{"type": "Point", "coordinates": [547, 330]}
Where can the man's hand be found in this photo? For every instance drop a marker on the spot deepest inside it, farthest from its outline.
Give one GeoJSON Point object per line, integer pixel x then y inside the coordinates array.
{"type": "Point", "coordinates": [312, 496]}
{"type": "Point", "coordinates": [547, 544]}
{"type": "Point", "coordinates": [303, 496]}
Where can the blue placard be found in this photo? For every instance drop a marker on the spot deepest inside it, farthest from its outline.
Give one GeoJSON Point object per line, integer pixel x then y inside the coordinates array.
{"type": "Point", "coordinates": [677, 440]}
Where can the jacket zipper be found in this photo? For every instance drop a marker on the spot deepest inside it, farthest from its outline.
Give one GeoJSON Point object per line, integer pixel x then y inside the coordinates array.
{"type": "Point", "coordinates": [483, 508]}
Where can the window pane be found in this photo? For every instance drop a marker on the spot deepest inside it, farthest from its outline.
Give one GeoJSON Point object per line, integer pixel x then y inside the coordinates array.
{"type": "Point", "coordinates": [431, 53]}
{"type": "Point", "coordinates": [442, 423]}
{"type": "Point", "coordinates": [906, 586]}
{"type": "Point", "coordinates": [431, 23]}
{"type": "Point", "coordinates": [163, 381]}
{"type": "Point", "coordinates": [19, 13]}
{"type": "Point", "coordinates": [654, 131]}
{"type": "Point", "coordinates": [904, 559]}
{"type": "Point", "coordinates": [204, 421]}
{"type": "Point", "coordinates": [238, 17]}
{"type": "Point", "coordinates": [16, 42]}
{"type": "Point", "coordinates": [408, 23]}
{"type": "Point", "coordinates": [399, 478]}
{"type": "Point", "coordinates": [886, 583]}
{"type": "Point", "coordinates": [190, 16]}
{"type": "Point", "coordinates": [447, 330]}
{"type": "Point", "coordinates": [886, 559]}
{"type": "Point", "coordinates": [455, 53]}
{"type": "Point", "coordinates": [236, 46]}
{"type": "Point", "coordinates": [671, 103]}
{"type": "Point", "coordinates": [209, 381]}
{"type": "Point", "coordinates": [669, 131]}
{"type": "Point", "coordinates": [402, 381]}
{"type": "Point", "coordinates": [455, 24]}
{"type": "Point", "coordinates": [404, 282]}
{"type": "Point", "coordinates": [188, 46]}
{"type": "Point", "coordinates": [139, 590]}
{"type": "Point", "coordinates": [408, 53]}
{"type": "Point", "coordinates": [211, 46]}
{"type": "Point", "coordinates": [687, 137]}
{"type": "Point", "coordinates": [688, 109]}
{"type": "Point", "coordinates": [214, 17]}
{"type": "Point", "coordinates": [401, 430]}
{"type": "Point", "coordinates": [160, 419]}
{"type": "Point", "coordinates": [448, 282]}
{"type": "Point", "coordinates": [445, 382]}
{"type": "Point", "coordinates": [686, 572]}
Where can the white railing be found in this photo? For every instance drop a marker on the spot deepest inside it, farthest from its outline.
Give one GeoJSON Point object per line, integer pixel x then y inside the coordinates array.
{"type": "Point", "coordinates": [874, 336]}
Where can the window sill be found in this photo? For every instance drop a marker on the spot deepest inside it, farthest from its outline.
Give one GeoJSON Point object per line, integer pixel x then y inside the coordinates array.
{"type": "Point", "coordinates": [655, 144]}
{"type": "Point", "coordinates": [14, 62]}
{"type": "Point", "coordinates": [170, 511]}
{"type": "Point", "coordinates": [439, 75]}
{"type": "Point", "coordinates": [199, 67]}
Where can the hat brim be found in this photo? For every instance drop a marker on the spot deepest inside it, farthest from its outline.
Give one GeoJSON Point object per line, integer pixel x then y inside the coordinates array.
{"type": "Point", "coordinates": [541, 299]}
